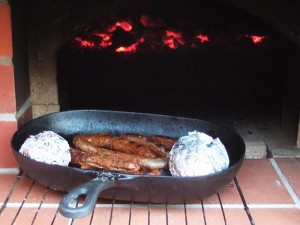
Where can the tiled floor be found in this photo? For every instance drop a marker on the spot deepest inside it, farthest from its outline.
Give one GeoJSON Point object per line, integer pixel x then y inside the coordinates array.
{"type": "Point", "coordinates": [265, 191]}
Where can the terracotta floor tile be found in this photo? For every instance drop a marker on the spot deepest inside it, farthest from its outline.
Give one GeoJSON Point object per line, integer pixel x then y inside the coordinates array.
{"type": "Point", "coordinates": [101, 215]}
{"type": "Point", "coordinates": [276, 216]}
{"type": "Point", "coordinates": [53, 196]}
{"type": "Point", "coordinates": [195, 216]}
{"type": "Point", "coordinates": [139, 216]}
{"type": "Point", "coordinates": [213, 199]}
{"type": "Point", "coordinates": [213, 216]}
{"type": "Point", "coordinates": [120, 216]}
{"type": "Point", "coordinates": [261, 184]}
{"type": "Point", "coordinates": [176, 216]}
{"type": "Point", "coordinates": [26, 216]}
{"type": "Point", "coordinates": [36, 194]}
{"type": "Point", "coordinates": [291, 169]}
{"type": "Point", "coordinates": [6, 182]}
{"type": "Point", "coordinates": [158, 215]}
{"type": "Point", "coordinates": [45, 216]}
{"type": "Point", "coordinates": [8, 215]}
{"type": "Point", "coordinates": [236, 217]}
{"type": "Point", "coordinates": [21, 190]}
{"type": "Point", "coordinates": [230, 195]}
{"type": "Point", "coordinates": [60, 220]}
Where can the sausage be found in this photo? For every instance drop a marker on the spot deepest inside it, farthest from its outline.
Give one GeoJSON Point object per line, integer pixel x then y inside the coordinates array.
{"type": "Point", "coordinates": [163, 141]}
{"type": "Point", "coordinates": [128, 153]}
{"type": "Point", "coordinates": [159, 151]}
{"type": "Point", "coordinates": [87, 160]}
{"type": "Point", "coordinates": [112, 160]}
{"type": "Point", "coordinates": [120, 144]}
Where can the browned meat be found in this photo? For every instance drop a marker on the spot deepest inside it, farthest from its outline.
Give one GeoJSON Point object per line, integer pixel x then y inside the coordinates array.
{"type": "Point", "coordinates": [159, 151]}
{"type": "Point", "coordinates": [162, 141]}
{"type": "Point", "coordinates": [111, 160]}
{"type": "Point", "coordinates": [120, 144]}
{"type": "Point", "coordinates": [127, 153]}
{"type": "Point", "coordinates": [107, 162]}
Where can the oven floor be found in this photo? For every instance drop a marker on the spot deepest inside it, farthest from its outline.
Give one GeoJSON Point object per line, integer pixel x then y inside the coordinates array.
{"type": "Point", "coordinates": [265, 191]}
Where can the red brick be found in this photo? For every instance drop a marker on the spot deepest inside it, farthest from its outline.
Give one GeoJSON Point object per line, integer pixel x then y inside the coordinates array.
{"type": "Point", "coordinates": [7, 129]}
{"type": "Point", "coordinates": [7, 89]}
{"type": "Point", "coordinates": [5, 31]}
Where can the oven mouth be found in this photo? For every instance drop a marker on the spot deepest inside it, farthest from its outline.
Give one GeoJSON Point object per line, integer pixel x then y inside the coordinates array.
{"type": "Point", "coordinates": [153, 62]}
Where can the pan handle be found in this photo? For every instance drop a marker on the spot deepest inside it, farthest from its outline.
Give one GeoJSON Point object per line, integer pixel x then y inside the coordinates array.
{"type": "Point", "coordinates": [92, 190]}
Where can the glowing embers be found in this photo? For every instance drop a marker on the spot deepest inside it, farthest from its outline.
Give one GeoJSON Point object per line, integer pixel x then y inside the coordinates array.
{"type": "Point", "coordinates": [202, 38]}
{"type": "Point", "coordinates": [84, 43]}
{"type": "Point", "coordinates": [152, 33]}
{"type": "Point", "coordinates": [256, 39]}
{"type": "Point", "coordinates": [125, 25]}
{"type": "Point", "coordinates": [133, 35]}
{"type": "Point", "coordinates": [132, 48]}
{"type": "Point", "coordinates": [173, 39]}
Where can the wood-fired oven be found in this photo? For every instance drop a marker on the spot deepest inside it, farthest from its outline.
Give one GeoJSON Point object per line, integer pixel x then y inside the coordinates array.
{"type": "Point", "coordinates": [205, 59]}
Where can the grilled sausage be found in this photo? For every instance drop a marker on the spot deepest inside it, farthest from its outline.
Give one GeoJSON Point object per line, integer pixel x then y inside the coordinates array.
{"type": "Point", "coordinates": [127, 153]}
{"type": "Point", "coordinates": [120, 144]}
{"type": "Point", "coordinates": [159, 151]}
{"type": "Point", "coordinates": [162, 141]}
{"type": "Point", "coordinates": [110, 160]}
{"type": "Point", "coordinates": [107, 162]}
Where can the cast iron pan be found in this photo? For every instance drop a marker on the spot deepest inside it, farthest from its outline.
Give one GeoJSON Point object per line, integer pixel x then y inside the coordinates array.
{"type": "Point", "coordinates": [161, 188]}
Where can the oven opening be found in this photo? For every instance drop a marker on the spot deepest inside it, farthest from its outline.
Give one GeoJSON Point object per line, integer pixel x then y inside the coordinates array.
{"type": "Point", "coordinates": [209, 59]}
{"type": "Point", "coordinates": [178, 58]}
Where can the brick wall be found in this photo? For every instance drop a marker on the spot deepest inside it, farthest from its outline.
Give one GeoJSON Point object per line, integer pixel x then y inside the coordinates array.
{"type": "Point", "coordinates": [8, 122]}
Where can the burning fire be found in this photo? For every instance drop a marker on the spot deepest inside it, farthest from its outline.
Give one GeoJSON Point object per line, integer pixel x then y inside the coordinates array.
{"type": "Point", "coordinates": [146, 32]}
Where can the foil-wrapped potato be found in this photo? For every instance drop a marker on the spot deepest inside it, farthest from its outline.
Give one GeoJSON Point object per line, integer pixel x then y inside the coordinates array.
{"type": "Point", "coordinates": [47, 147]}
{"type": "Point", "coordinates": [197, 154]}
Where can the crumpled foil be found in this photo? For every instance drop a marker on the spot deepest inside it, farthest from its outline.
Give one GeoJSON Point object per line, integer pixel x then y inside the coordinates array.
{"type": "Point", "coordinates": [47, 147]}
{"type": "Point", "coordinates": [197, 154]}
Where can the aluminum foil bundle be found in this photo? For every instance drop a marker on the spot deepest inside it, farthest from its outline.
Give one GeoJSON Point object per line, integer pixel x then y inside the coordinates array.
{"type": "Point", "coordinates": [47, 147]}
{"type": "Point", "coordinates": [197, 154]}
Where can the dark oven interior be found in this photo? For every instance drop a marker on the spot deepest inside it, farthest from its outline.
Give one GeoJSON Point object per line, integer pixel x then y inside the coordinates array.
{"type": "Point", "coordinates": [209, 60]}
{"type": "Point", "coordinates": [172, 57]}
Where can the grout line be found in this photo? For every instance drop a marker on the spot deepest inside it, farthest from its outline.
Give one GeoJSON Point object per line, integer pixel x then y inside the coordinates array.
{"type": "Point", "coordinates": [23, 202]}
{"type": "Point", "coordinates": [5, 61]}
{"type": "Point", "coordinates": [8, 117]}
{"type": "Point", "coordinates": [285, 182]}
{"type": "Point", "coordinates": [162, 206]}
{"type": "Point", "coordinates": [246, 208]}
{"type": "Point", "coordinates": [12, 189]}
{"type": "Point", "coordinates": [222, 208]}
{"type": "Point", "coordinates": [9, 171]}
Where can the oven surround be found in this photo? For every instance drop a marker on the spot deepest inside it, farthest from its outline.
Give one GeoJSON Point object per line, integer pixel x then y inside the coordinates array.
{"type": "Point", "coordinates": [35, 82]}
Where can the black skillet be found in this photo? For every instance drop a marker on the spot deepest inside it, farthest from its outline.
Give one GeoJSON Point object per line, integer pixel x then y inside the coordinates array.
{"type": "Point", "coordinates": [161, 188]}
